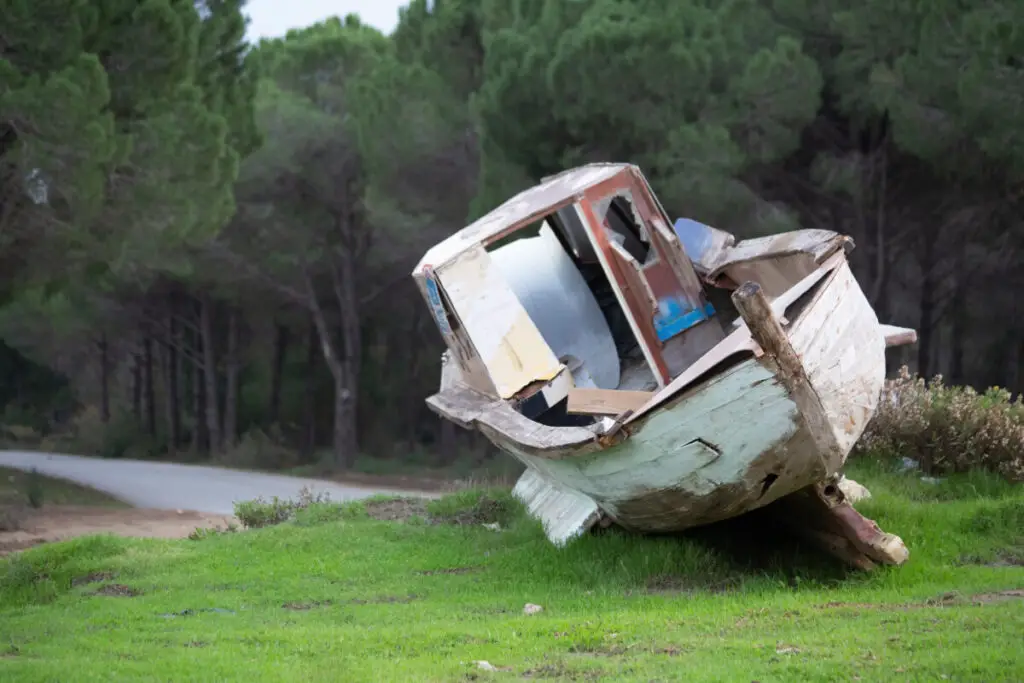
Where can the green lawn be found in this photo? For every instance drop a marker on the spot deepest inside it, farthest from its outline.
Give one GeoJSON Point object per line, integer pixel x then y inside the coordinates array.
{"type": "Point", "coordinates": [339, 596]}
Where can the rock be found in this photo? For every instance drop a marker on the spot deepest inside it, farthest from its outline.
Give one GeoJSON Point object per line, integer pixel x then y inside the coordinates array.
{"type": "Point", "coordinates": [485, 666]}
{"type": "Point", "coordinates": [531, 608]}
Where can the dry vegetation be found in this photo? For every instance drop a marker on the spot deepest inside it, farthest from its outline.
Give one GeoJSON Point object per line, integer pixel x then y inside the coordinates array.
{"type": "Point", "coordinates": [949, 428]}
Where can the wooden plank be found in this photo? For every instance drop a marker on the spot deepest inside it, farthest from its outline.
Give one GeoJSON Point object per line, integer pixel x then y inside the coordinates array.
{"type": "Point", "coordinates": [898, 336]}
{"type": "Point", "coordinates": [564, 513]}
{"type": "Point", "coordinates": [605, 401]}
{"type": "Point", "coordinates": [819, 244]}
{"type": "Point", "coordinates": [843, 353]}
{"type": "Point", "coordinates": [669, 246]}
{"type": "Point", "coordinates": [634, 276]}
{"type": "Point", "coordinates": [764, 327]}
{"type": "Point", "coordinates": [643, 328]}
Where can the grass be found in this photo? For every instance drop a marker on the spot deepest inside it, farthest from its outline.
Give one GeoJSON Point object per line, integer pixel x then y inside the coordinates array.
{"type": "Point", "coordinates": [16, 486]}
{"type": "Point", "coordinates": [417, 472]}
{"type": "Point", "coordinates": [338, 595]}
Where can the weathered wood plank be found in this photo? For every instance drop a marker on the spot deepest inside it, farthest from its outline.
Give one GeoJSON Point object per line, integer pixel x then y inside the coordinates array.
{"type": "Point", "coordinates": [843, 353]}
{"type": "Point", "coordinates": [818, 244]}
{"type": "Point", "coordinates": [764, 327]}
{"type": "Point", "coordinates": [584, 401]}
{"type": "Point", "coordinates": [898, 336]}
{"type": "Point", "coordinates": [565, 514]}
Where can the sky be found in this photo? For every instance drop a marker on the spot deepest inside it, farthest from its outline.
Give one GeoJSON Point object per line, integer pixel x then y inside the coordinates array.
{"type": "Point", "coordinates": [273, 18]}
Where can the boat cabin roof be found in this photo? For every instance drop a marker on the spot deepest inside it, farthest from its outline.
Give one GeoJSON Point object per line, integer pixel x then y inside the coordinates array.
{"type": "Point", "coordinates": [522, 210]}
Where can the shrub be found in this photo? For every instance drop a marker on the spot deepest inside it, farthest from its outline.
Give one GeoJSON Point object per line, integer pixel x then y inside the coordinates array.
{"type": "Point", "coordinates": [202, 533]}
{"type": "Point", "coordinates": [259, 513]}
{"type": "Point", "coordinates": [259, 450]}
{"type": "Point", "coordinates": [948, 428]}
{"type": "Point", "coordinates": [120, 437]}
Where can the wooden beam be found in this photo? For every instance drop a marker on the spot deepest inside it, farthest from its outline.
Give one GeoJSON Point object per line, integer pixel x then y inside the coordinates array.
{"type": "Point", "coordinates": [898, 336]}
{"type": "Point", "coordinates": [766, 330]}
{"type": "Point", "coordinates": [605, 401]}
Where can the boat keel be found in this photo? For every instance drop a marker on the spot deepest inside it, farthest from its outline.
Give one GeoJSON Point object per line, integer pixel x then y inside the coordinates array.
{"type": "Point", "coordinates": [822, 514]}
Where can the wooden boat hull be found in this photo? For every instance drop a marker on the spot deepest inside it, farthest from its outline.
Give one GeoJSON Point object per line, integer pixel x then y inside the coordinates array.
{"type": "Point", "coordinates": [738, 440]}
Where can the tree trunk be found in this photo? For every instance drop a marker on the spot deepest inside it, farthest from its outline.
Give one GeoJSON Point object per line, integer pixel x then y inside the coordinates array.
{"type": "Point", "coordinates": [147, 354]}
{"type": "Point", "coordinates": [309, 431]}
{"type": "Point", "coordinates": [163, 353]}
{"type": "Point", "coordinates": [104, 379]}
{"type": "Point", "coordinates": [210, 376]}
{"type": "Point", "coordinates": [173, 389]}
{"type": "Point", "coordinates": [346, 434]}
{"type": "Point", "coordinates": [342, 368]}
{"type": "Point", "coordinates": [447, 445]}
{"type": "Point", "coordinates": [344, 443]}
{"type": "Point", "coordinates": [200, 437]}
{"type": "Point", "coordinates": [281, 339]}
{"type": "Point", "coordinates": [926, 327]}
{"type": "Point", "coordinates": [231, 388]}
{"type": "Point", "coordinates": [960, 315]}
{"type": "Point", "coordinates": [136, 387]}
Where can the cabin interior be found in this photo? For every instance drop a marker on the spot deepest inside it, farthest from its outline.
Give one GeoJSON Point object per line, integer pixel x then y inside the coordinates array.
{"type": "Point", "coordinates": [613, 294]}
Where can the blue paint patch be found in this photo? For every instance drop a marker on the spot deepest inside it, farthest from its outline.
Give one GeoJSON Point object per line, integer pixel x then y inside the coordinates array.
{"type": "Point", "coordinates": [436, 307]}
{"type": "Point", "coordinates": [673, 319]}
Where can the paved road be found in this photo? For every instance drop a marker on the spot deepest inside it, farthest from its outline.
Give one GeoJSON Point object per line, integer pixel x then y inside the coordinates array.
{"type": "Point", "coordinates": [171, 486]}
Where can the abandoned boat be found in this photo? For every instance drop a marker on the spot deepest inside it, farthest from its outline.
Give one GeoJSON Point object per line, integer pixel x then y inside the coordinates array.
{"type": "Point", "coordinates": [602, 348]}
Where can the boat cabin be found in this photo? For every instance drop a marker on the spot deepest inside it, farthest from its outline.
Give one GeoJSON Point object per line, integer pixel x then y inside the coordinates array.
{"type": "Point", "coordinates": [580, 281]}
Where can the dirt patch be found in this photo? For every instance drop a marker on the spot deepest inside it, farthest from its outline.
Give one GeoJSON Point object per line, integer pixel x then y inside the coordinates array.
{"type": "Point", "coordinates": [1011, 557]}
{"type": "Point", "coordinates": [385, 600]}
{"type": "Point", "coordinates": [453, 571]}
{"type": "Point", "coordinates": [563, 672]}
{"type": "Point", "coordinates": [486, 511]}
{"type": "Point", "coordinates": [117, 590]}
{"type": "Point", "coordinates": [669, 585]}
{"type": "Point", "coordinates": [61, 522]}
{"type": "Point", "coordinates": [952, 599]}
{"type": "Point", "coordinates": [396, 509]}
{"type": "Point", "coordinates": [305, 606]}
{"type": "Point", "coordinates": [1001, 596]}
{"type": "Point", "coordinates": [95, 577]}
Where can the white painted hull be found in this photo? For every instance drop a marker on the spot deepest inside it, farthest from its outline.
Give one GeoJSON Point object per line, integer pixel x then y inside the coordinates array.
{"type": "Point", "coordinates": [735, 442]}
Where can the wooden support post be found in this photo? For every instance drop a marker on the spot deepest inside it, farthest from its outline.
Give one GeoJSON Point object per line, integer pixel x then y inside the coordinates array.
{"type": "Point", "coordinates": [821, 514]}
{"type": "Point", "coordinates": [766, 330]}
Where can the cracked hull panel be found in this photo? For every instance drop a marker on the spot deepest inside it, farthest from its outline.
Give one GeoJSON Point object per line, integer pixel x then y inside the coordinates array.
{"type": "Point", "coordinates": [704, 458]}
{"type": "Point", "coordinates": [565, 514]}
